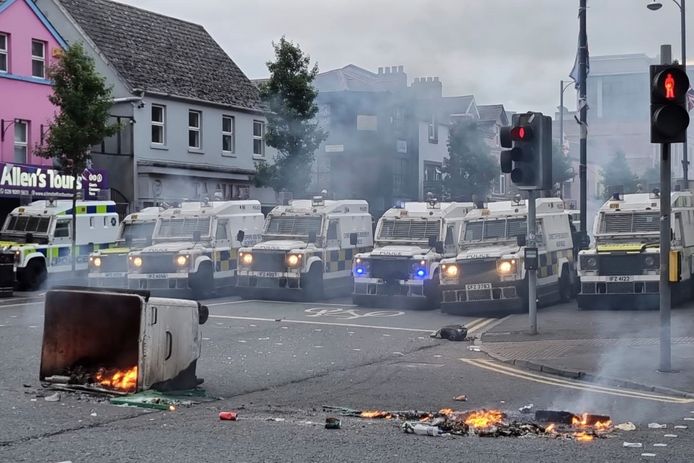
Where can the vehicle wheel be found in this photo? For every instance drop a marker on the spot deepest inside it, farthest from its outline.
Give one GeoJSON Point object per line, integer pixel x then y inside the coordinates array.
{"type": "Point", "coordinates": [312, 283]}
{"type": "Point", "coordinates": [566, 290]}
{"type": "Point", "coordinates": [432, 292]}
{"type": "Point", "coordinates": [202, 282]}
{"type": "Point", "coordinates": [33, 276]}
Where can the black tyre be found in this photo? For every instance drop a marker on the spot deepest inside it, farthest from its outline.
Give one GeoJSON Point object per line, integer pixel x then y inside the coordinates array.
{"type": "Point", "coordinates": [33, 277]}
{"type": "Point", "coordinates": [312, 283]}
{"type": "Point", "coordinates": [566, 289]}
{"type": "Point", "coordinates": [202, 282]}
{"type": "Point", "coordinates": [432, 292]}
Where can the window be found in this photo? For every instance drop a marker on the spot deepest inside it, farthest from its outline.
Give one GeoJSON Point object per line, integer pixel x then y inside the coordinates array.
{"type": "Point", "coordinates": [38, 59]}
{"type": "Point", "coordinates": [62, 229]}
{"type": "Point", "coordinates": [228, 134]}
{"type": "Point", "coordinates": [367, 123]}
{"type": "Point", "coordinates": [4, 62]}
{"type": "Point", "coordinates": [158, 124]}
{"type": "Point", "coordinates": [433, 129]}
{"type": "Point", "coordinates": [332, 230]}
{"type": "Point", "coordinates": [21, 145]}
{"type": "Point", "coordinates": [194, 124]}
{"type": "Point", "coordinates": [259, 138]}
{"type": "Point", "coordinates": [221, 233]}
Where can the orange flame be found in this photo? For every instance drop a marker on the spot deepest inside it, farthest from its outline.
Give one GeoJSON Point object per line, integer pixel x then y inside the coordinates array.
{"type": "Point", "coordinates": [582, 422]}
{"type": "Point", "coordinates": [583, 437]}
{"type": "Point", "coordinates": [122, 380]}
{"type": "Point", "coordinates": [375, 414]}
{"type": "Point", "coordinates": [484, 418]}
{"type": "Point", "coordinates": [446, 411]}
{"type": "Point", "coordinates": [550, 428]}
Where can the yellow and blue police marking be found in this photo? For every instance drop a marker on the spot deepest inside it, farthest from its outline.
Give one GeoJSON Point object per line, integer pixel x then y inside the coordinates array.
{"type": "Point", "coordinates": [98, 209]}
{"type": "Point", "coordinates": [549, 262]}
{"type": "Point", "coordinates": [225, 260]}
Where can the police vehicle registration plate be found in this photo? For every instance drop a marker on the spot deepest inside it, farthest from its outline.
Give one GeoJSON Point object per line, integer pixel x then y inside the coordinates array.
{"type": "Point", "coordinates": [478, 286]}
{"type": "Point", "coordinates": [157, 276]}
{"type": "Point", "coordinates": [621, 279]}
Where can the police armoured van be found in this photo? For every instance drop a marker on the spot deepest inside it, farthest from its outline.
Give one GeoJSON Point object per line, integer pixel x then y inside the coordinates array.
{"type": "Point", "coordinates": [403, 267]}
{"type": "Point", "coordinates": [40, 235]}
{"type": "Point", "coordinates": [307, 250]}
{"type": "Point", "coordinates": [489, 270]}
{"type": "Point", "coordinates": [622, 269]}
{"type": "Point", "coordinates": [194, 247]}
{"type": "Point", "coordinates": [109, 267]}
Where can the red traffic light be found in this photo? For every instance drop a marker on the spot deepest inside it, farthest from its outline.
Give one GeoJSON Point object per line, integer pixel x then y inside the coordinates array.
{"type": "Point", "coordinates": [669, 85]}
{"type": "Point", "coordinates": [521, 133]}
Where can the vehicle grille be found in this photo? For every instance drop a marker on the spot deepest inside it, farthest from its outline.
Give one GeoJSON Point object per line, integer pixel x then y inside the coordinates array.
{"type": "Point", "coordinates": [620, 264]}
{"type": "Point", "coordinates": [478, 271]}
{"type": "Point", "coordinates": [114, 263]}
{"type": "Point", "coordinates": [158, 263]}
{"type": "Point", "coordinates": [269, 262]}
{"type": "Point", "coordinates": [391, 269]}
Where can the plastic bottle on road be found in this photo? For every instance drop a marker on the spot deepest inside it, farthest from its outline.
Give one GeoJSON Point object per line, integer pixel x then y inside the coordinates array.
{"type": "Point", "coordinates": [421, 429]}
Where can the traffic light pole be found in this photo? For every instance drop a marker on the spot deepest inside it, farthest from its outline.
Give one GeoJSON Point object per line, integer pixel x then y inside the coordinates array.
{"type": "Point", "coordinates": [665, 231]}
{"type": "Point", "coordinates": [583, 113]}
{"type": "Point", "coordinates": [532, 274]}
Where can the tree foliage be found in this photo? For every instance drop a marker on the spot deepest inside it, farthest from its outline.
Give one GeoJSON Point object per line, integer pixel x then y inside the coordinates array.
{"type": "Point", "coordinates": [292, 126]}
{"type": "Point", "coordinates": [83, 100]}
{"type": "Point", "coordinates": [469, 169]}
{"type": "Point", "coordinates": [617, 175]}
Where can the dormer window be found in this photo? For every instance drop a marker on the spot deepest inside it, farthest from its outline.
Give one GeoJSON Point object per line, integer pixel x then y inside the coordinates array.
{"type": "Point", "coordinates": [38, 59]}
{"type": "Point", "coordinates": [4, 62]}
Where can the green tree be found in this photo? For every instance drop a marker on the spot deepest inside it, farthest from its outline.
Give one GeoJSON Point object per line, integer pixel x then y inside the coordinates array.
{"type": "Point", "coordinates": [83, 101]}
{"type": "Point", "coordinates": [617, 175]}
{"type": "Point", "coordinates": [292, 126]}
{"type": "Point", "coordinates": [469, 169]}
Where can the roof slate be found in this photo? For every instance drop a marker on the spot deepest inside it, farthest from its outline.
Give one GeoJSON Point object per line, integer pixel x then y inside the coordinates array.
{"type": "Point", "coordinates": [164, 55]}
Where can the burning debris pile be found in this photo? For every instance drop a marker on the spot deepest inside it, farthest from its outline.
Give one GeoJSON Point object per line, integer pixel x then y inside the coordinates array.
{"type": "Point", "coordinates": [491, 423]}
{"type": "Point", "coordinates": [107, 380]}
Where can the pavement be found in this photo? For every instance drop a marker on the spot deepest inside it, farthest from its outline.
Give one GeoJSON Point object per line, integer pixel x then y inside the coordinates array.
{"type": "Point", "coordinates": [278, 363]}
{"type": "Point", "coordinates": [613, 347]}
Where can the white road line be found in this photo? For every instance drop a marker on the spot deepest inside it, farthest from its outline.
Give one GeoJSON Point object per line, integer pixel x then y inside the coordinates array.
{"type": "Point", "coordinates": [312, 322]}
{"type": "Point", "coordinates": [24, 304]}
{"type": "Point", "coordinates": [570, 384]}
{"type": "Point", "coordinates": [317, 304]}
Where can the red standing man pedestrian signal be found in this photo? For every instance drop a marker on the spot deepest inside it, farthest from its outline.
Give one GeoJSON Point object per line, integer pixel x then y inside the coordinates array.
{"type": "Point", "coordinates": [670, 87]}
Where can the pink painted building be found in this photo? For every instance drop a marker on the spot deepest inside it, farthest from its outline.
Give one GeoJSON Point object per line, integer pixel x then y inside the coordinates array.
{"type": "Point", "coordinates": [28, 45]}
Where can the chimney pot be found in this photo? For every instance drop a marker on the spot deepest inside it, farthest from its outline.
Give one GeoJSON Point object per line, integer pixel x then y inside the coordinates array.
{"type": "Point", "coordinates": [401, 68]}
{"type": "Point", "coordinates": [387, 70]}
{"type": "Point", "coordinates": [380, 70]}
{"type": "Point", "coordinates": [394, 69]}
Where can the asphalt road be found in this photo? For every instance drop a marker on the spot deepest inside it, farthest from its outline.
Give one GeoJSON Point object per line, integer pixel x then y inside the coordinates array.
{"type": "Point", "coordinates": [276, 360]}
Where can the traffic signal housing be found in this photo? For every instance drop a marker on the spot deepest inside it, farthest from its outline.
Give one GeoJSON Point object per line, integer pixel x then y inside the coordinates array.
{"type": "Point", "coordinates": [529, 159]}
{"type": "Point", "coordinates": [669, 114]}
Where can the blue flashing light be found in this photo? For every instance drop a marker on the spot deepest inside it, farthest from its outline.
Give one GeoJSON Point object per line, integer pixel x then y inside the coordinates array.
{"type": "Point", "coordinates": [421, 273]}
{"type": "Point", "coordinates": [359, 271]}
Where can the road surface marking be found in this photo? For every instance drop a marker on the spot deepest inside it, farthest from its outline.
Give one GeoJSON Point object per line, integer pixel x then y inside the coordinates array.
{"type": "Point", "coordinates": [24, 304]}
{"type": "Point", "coordinates": [247, 301]}
{"type": "Point", "coordinates": [350, 314]}
{"type": "Point", "coordinates": [482, 322]}
{"type": "Point", "coordinates": [571, 384]}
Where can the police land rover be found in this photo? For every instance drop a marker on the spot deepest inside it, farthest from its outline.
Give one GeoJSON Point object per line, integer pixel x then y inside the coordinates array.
{"type": "Point", "coordinates": [307, 250]}
{"type": "Point", "coordinates": [194, 247]}
{"type": "Point", "coordinates": [622, 269]}
{"type": "Point", "coordinates": [40, 235]}
{"type": "Point", "coordinates": [109, 267]}
{"type": "Point", "coordinates": [403, 268]}
{"type": "Point", "coordinates": [489, 273]}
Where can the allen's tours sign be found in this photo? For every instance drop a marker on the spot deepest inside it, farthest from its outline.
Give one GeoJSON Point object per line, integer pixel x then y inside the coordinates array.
{"type": "Point", "coordinates": [46, 182]}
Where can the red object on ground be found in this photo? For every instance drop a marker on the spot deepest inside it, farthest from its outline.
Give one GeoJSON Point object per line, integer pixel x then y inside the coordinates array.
{"type": "Point", "coordinates": [227, 416]}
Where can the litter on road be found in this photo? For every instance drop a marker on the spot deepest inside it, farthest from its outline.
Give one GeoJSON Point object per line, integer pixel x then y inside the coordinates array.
{"type": "Point", "coordinates": [659, 445]}
{"type": "Point", "coordinates": [657, 426]}
{"type": "Point", "coordinates": [474, 348]}
{"type": "Point", "coordinates": [228, 416]}
{"type": "Point", "coordinates": [670, 435]}
{"type": "Point", "coordinates": [681, 426]}
{"type": "Point", "coordinates": [636, 445]}
{"type": "Point", "coordinates": [333, 423]}
{"type": "Point", "coordinates": [648, 454]}
{"type": "Point", "coordinates": [461, 398]}
{"type": "Point", "coordinates": [53, 397]}
{"type": "Point", "coordinates": [451, 332]}
{"type": "Point", "coordinates": [628, 426]}
{"type": "Point", "coordinates": [526, 408]}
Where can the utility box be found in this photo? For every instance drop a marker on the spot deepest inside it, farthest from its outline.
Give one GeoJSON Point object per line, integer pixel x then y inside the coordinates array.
{"type": "Point", "coordinates": [119, 340]}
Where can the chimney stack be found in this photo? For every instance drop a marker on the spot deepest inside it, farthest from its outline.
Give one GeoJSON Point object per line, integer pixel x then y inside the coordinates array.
{"type": "Point", "coordinates": [380, 70]}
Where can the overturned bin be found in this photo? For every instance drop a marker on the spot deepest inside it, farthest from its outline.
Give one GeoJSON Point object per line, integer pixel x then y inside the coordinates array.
{"type": "Point", "coordinates": [120, 341]}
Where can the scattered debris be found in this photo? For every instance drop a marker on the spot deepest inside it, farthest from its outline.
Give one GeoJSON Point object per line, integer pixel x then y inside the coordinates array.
{"type": "Point", "coordinates": [278, 420]}
{"type": "Point", "coordinates": [452, 333]}
{"type": "Point", "coordinates": [689, 419]}
{"type": "Point", "coordinates": [161, 400]}
{"type": "Point", "coordinates": [53, 397]}
{"type": "Point", "coordinates": [526, 408]}
{"type": "Point", "coordinates": [681, 426]}
{"type": "Point", "coordinates": [26, 385]}
{"type": "Point", "coordinates": [228, 416]}
{"type": "Point", "coordinates": [551, 416]}
{"type": "Point", "coordinates": [656, 426]}
{"type": "Point", "coordinates": [628, 426]}
{"type": "Point", "coordinates": [659, 445]}
{"type": "Point", "coordinates": [474, 348]}
{"type": "Point", "coordinates": [421, 429]}
{"type": "Point", "coordinates": [648, 454]}
{"type": "Point", "coordinates": [461, 398]}
{"type": "Point", "coordinates": [636, 445]}
{"type": "Point", "coordinates": [670, 435]}
{"type": "Point", "coordinates": [332, 423]}
{"type": "Point", "coordinates": [92, 414]}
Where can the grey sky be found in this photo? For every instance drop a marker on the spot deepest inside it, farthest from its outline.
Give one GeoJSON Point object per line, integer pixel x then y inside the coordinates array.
{"type": "Point", "coordinates": [503, 51]}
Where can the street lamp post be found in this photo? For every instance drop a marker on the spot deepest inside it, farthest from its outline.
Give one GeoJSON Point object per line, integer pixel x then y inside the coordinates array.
{"type": "Point", "coordinates": [653, 6]}
{"type": "Point", "coordinates": [562, 89]}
